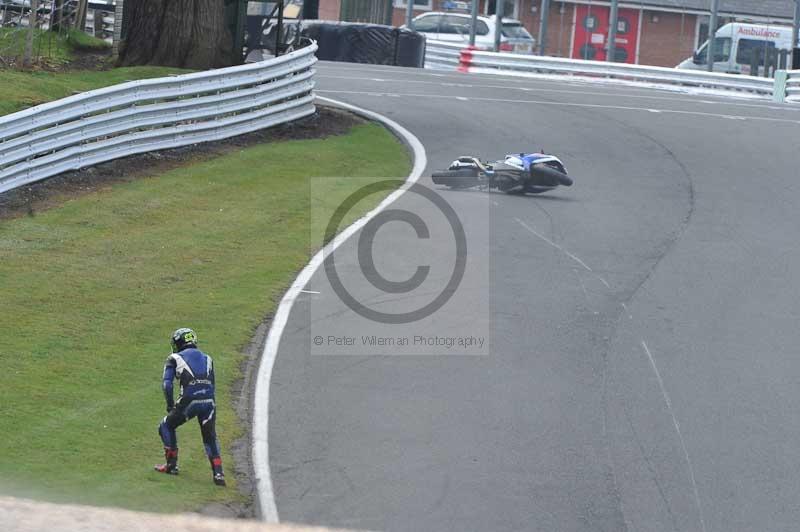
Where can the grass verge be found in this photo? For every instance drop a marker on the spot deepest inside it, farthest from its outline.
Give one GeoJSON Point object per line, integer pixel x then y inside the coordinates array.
{"type": "Point", "coordinates": [91, 290]}
{"type": "Point", "coordinates": [26, 89]}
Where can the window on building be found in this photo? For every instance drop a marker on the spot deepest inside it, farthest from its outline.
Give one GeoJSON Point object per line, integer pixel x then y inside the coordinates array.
{"type": "Point", "coordinates": [510, 8]}
{"type": "Point", "coordinates": [748, 47]}
{"type": "Point", "coordinates": [418, 4]}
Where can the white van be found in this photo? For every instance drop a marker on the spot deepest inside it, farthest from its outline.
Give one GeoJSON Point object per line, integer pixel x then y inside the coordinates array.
{"type": "Point", "coordinates": [734, 45]}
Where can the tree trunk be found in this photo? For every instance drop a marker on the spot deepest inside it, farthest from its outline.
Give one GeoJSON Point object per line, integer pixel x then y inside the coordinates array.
{"type": "Point", "coordinates": [179, 33]}
{"type": "Point", "coordinates": [32, 21]}
{"type": "Point", "coordinates": [80, 15]}
{"type": "Point", "coordinates": [57, 15]}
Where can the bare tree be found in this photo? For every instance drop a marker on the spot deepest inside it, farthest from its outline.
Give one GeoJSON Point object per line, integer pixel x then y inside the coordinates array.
{"type": "Point", "coordinates": [27, 58]}
{"type": "Point", "coordinates": [180, 33]}
{"type": "Point", "coordinates": [80, 15]}
{"type": "Point", "coordinates": [57, 16]}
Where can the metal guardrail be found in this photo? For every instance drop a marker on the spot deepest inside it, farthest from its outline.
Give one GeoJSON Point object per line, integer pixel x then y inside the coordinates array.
{"type": "Point", "coordinates": [442, 55]}
{"type": "Point", "coordinates": [439, 55]}
{"type": "Point", "coordinates": [792, 87]}
{"type": "Point", "coordinates": [153, 114]}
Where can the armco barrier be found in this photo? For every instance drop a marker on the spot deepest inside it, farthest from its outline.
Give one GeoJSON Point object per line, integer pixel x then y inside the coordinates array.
{"type": "Point", "coordinates": [791, 92]}
{"type": "Point", "coordinates": [153, 114]}
{"type": "Point", "coordinates": [441, 55]}
{"type": "Point", "coordinates": [491, 61]}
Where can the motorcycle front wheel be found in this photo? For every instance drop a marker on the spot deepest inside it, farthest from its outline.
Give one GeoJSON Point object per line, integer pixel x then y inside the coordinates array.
{"type": "Point", "coordinates": [548, 176]}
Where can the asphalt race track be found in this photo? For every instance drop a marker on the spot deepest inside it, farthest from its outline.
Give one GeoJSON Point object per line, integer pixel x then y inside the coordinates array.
{"type": "Point", "coordinates": [641, 370]}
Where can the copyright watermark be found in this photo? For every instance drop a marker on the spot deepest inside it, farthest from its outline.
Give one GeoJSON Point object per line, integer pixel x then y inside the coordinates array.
{"type": "Point", "coordinates": [413, 278]}
{"type": "Point", "coordinates": [371, 340]}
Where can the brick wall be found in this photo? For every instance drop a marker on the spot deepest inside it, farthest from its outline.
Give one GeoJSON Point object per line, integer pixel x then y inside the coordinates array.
{"type": "Point", "coordinates": [559, 25]}
{"type": "Point", "coordinates": [399, 15]}
{"type": "Point", "coordinates": [667, 38]}
{"type": "Point", "coordinates": [329, 9]}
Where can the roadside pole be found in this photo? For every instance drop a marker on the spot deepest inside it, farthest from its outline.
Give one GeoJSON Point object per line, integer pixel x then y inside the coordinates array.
{"type": "Point", "coordinates": [795, 37]}
{"type": "Point", "coordinates": [118, 10]}
{"type": "Point", "coordinates": [27, 57]}
{"type": "Point", "coordinates": [544, 14]}
{"type": "Point", "coordinates": [410, 14]}
{"type": "Point", "coordinates": [80, 15]}
{"type": "Point", "coordinates": [712, 32]}
{"type": "Point", "coordinates": [611, 55]}
{"type": "Point", "coordinates": [473, 22]}
{"type": "Point", "coordinates": [498, 26]}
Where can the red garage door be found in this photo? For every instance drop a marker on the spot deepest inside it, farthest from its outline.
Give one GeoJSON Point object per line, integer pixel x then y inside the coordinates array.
{"type": "Point", "coordinates": [591, 33]}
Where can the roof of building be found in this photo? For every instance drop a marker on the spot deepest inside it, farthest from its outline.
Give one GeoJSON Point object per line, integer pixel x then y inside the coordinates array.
{"type": "Point", "coordinates": [761, 8]}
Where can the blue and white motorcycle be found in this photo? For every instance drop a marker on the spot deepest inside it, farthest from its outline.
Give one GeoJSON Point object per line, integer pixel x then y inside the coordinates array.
{"type": "Point", "coordinates": [516, 174]}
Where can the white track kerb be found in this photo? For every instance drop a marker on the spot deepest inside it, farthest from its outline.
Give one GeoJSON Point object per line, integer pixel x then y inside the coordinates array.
{"type": "Point", "coordinates": [263, 476]}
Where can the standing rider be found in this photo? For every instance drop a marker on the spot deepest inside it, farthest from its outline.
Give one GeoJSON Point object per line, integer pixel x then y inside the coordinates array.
{"type": "Point", "coordinates": [195, 371]}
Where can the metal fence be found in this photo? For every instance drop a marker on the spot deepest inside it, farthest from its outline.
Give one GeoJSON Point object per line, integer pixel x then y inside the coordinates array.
{"type": "Point", "coordinates": [442, 55]}
{"type": "Point", "coordinates": [449, 56]}
{"type": "Point", "coordinates": [371, 11]}
{"type": "Point", "coordinates": [153, 114]}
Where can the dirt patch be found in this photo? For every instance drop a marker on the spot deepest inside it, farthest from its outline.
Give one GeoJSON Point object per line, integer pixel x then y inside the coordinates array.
{"type": "Point", "coordinates": [81, 60]}
{"type": "Point", "coordinates": [30, 199]}
{"type": "Point", "coordinates": [85, 60]}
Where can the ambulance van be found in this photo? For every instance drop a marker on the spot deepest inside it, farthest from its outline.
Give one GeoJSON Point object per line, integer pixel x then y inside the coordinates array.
{"type": "Point", "coordinates": [734, 45]}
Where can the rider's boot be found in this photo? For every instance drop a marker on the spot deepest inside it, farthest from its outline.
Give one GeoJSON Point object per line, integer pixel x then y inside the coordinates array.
{"type": "Point", "coordinates": [216, 471]}
{"type": "Point", "coordinates": [170, 467]}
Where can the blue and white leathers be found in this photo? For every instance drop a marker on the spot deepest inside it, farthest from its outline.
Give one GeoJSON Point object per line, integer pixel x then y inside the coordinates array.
{"type": "Point", "coordinates": [194, 370]}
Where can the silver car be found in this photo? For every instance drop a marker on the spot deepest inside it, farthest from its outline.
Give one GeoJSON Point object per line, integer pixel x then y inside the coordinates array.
{"type": "Point", "coordinates": [454, 28]}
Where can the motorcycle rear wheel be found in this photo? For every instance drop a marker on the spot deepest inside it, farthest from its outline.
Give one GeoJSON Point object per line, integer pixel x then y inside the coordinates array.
{"type": "Point", "coordinates": [461, 178]}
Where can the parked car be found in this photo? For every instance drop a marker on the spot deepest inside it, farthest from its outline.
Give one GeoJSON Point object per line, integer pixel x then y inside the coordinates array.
{"type": "Point", "coordinates": [454, 27]}
{"type": "Point", "coordinates": [734, 45]}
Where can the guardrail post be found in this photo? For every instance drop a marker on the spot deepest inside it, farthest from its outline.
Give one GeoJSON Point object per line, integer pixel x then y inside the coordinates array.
{"type": "Point", "coordinates": [465, 59]}
{"type": "Point", "coordinates": [779, 89]}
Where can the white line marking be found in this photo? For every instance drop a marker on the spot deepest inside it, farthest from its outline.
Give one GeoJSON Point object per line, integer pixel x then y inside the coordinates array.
{"type": "Point", "coordinates": [263, 475]}
{"type": "Point", "coordinates": [561, 249]}
{"type": "Point", "coordinates": [560, 90]}
{"type": "Point", "coordinates": [572, 104]}
{"type": "Point", "coordinates": [678, 430]}
{"type": "Point", "coordinates": [605, 283]}
{"type": "Point", "coordinates": [310, 292]}
{"type": "Point", "coordinates": [624, 306]}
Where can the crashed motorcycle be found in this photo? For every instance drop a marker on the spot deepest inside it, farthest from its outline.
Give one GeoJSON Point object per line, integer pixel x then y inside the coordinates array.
{"type": "Point", "coordinates": [516, 174]}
